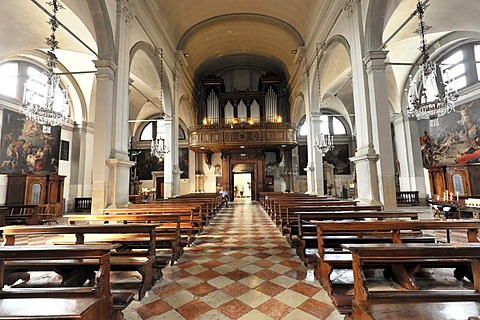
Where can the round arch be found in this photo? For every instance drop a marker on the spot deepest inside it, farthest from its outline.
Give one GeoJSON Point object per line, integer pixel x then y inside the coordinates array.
{"type": "Point", "coordinates": [103, 29]}
{"type": "Point", "coordinates": [154, 56]}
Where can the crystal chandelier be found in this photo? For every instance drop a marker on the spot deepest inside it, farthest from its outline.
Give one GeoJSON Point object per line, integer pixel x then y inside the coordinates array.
{"type": "Point", "coordinates": [324, 142]}
{"type": "Point", "coordinates": [435, 104]}
{"type": "Point", "coordinates": [158, 148]}
{"type": "Point", "coordinates": [43, 101]}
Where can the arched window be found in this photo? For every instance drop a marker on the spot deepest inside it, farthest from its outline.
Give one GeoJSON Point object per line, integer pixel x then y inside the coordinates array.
{"type": "Point", "coordinates": [329, 124]}
{"type": "Point", "coordinates": [147, 132]}
{"type": "Point", "coordinates": [456, 69]}
{"type": "Point", "coordinates": [14, 75]}
{"type": "Point", "coordinates": [9, 79]}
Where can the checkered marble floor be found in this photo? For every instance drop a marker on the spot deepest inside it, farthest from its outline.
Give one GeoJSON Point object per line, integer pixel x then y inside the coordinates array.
{"type": "Point", "coordinates": [239, 268]}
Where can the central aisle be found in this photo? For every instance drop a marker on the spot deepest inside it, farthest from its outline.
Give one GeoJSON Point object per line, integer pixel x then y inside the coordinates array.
{"type": "Point", "coordinates": [239, 268]}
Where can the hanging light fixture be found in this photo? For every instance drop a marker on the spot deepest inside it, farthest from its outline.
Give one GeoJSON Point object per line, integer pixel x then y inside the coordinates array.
{"type": "Point", "coordinates": [324, 142]}
{"type": "Point", "coordinates": [43, 101]}
{"type": "Point", "coordinates": [158, 147]}
{"type": "Point", "coordinates": [436, 103]}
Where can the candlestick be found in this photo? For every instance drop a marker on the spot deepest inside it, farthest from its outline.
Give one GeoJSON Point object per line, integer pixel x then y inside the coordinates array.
{"type": "Point", "coordinates": [457, 196]}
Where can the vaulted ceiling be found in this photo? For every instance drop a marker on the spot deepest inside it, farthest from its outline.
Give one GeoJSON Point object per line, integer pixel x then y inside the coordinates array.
{"type": "Point", "coordinates": [217, 34]}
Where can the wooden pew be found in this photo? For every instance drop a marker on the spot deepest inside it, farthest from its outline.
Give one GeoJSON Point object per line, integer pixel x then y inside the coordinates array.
{"type": "Point", "coordinates": [332, 234]}
{"type": "Point", "coordinates": [74, 302]}
{"type": "Point", "coordinates": [168, 231]}
{"type": "Point", "coordinates": [284, 209]}
{"type": "Point", "coordinates": [20, 214]}
{"type": "Point", "coordinates": [187, 227]}
{"type": "Point", "coordinates": [422, 304]}
{"type": "Point", "coordinates": [288, 213]}
{"type": "Point", "coordinates": [302, 234]}
{"type": "Point", "coordinates": [194, 213]}
{"type": "Point", "coordinates": [137, 251]}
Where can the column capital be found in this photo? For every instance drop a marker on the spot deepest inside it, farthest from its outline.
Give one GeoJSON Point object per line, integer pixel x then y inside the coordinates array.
{"type": "Point", "coordinates": [105, 64]}
{"type": "Point", "coordinates": [349, 6]}
{"type": "Point", "coordinates": [375, 61]}
{"type": "Point", "coordinates": [113, 163]}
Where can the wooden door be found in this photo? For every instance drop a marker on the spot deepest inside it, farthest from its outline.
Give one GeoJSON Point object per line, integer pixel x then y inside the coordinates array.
{"type": "Point", "coordinates": [160, 188]}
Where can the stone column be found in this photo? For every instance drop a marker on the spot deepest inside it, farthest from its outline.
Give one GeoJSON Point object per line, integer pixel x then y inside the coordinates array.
{"type": "Point", "coordinates": [168, 161]}
{"type": "Point", "coordinates": [382, 134]}
{"type": "Point", "coordinates": [81, 152]}
{"type": "Point", "coordinates": [102, 143]}
{"type": "Point", "coordinates": [365, 157]}
{"type": "Point", "coordinates": [315, 123]}
{"type": "Point", "coordinates": [409, 156]}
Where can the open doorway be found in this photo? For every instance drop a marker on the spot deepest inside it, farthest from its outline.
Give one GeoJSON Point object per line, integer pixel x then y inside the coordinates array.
{"type": "Point", "coordinates": [242, 185]}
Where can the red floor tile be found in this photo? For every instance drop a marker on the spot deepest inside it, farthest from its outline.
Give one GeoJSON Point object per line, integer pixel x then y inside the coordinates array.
{"type": "Point", "coordinates": [235, 289]}
{"type": "Point", "coordinates": [316, 308]}
{"type": "Point", "coordinates": [154, 308]}
{"type": "Point", "coordinates": [193, 309]}
{"type": "Point", "coordinates": [234, 309]}
{"type": "Point", "coordinates": [275, 309]}
{"type": "Point", "coordinates": [270, 288]}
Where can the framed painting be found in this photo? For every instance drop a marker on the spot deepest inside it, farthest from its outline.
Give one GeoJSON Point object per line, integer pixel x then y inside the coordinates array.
{"type": "Point", "coordinates": [183, 162]}
{"type": "Point", "coordinates": [146, 163]}
{"type": "Point", "coordinates": [338, 156]}
{"type": "Point", "coordinates": [26, 148]}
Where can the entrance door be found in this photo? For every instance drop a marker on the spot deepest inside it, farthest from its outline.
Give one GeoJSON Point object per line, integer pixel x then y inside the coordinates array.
{"type": "Point", "coordinates": [242, 185]}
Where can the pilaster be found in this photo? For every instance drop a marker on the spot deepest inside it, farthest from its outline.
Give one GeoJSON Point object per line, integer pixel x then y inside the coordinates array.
{"type": "Point", "coordinates": [377, 84]}
{"type": "Point", "coordinates": [365, 157]}
{"type": "Point", "coordinates": [103, 123]}
{"type": "Point", "coordinates": [315, 124]}
{"type": "Point", "coordinates": [168, 161]}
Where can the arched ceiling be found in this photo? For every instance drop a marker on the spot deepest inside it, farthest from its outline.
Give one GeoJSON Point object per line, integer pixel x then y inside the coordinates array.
{"type": "Point", "coordinates": [217, 33]}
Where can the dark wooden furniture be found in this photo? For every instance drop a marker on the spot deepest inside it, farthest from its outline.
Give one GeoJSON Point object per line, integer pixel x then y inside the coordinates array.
{"type": "Point", "coordinates": [461, 178]}
{"type": "Point", "coordinates": [131, 236]}
{"type": "Point", "coordinates": [332, 234]}
{"type": "Point", "coordinates": [408, 198]}
{"type": "Point", "coordinates": [422, 304]}
{"type": "Point", "coordinates": [40, 190]}
{"type": "Point", "coordinates": [73, 302]}
{"type": "Point", "coordinates": [20, 214]}
{"type": "Point", "coordinates": [302, 234]}
{"type": "Point", "coordinates": [83, 204]}
{"type": "Point", "coordinates": [168, 232]}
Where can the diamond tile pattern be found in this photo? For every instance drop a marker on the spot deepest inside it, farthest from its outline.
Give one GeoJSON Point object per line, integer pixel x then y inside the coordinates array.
{"type": "Point", "coordinates": [240, 267]}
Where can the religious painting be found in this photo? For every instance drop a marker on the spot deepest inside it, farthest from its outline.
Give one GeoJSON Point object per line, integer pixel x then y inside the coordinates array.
{"type": "Point", "coordinates": [26, 148]}
{"type": "Point", "coordinates": [183, 162]}
{"type": "Point", "coordinates": [146, 163]}
{"type": "Point", "coordinates": [455, 140]}
{"type": "Point", "coordinates": [338, 156]}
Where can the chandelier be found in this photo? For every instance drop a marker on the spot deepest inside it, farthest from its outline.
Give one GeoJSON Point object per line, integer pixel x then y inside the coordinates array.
{"type": "Point", "coordinates": [43, 101]}
{"type": "Point", "coordinates": [158, 148]}
{"type": "Point", "coordinates": [437, 103]}
{"type": "Point", "coordinates": [324, 142]}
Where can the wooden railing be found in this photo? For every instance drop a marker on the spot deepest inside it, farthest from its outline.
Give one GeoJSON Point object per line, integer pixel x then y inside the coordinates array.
{"type": "Point", "coordinates": [83, 204]}
{"type": "Point", "coordinates": [408, 198]}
